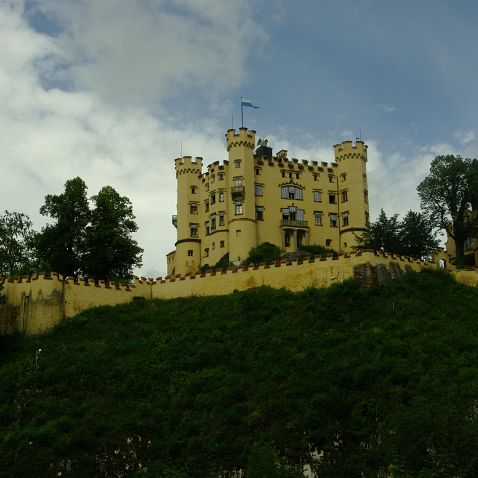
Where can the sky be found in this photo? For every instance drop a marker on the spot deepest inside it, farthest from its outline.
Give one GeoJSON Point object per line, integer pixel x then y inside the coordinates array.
{"type": "Point", "coordinates": [113, 91]}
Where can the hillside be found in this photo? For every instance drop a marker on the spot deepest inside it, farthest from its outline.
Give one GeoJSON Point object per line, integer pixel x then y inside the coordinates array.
{"type": "Point", "coordinates": [383, 382]}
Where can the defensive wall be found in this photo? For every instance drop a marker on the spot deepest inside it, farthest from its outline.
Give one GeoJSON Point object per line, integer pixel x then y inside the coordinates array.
{"type": "Point", "coordinates": [36, 304]}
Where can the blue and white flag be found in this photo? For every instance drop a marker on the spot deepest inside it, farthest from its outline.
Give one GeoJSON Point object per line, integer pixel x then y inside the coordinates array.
{"type": "Point", "coordinates": [248, 102]}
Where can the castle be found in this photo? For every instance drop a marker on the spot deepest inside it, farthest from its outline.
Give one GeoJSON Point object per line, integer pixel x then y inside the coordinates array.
{"type": "Point", "coordinates": [256, 197]}
{"type": "Point", "coordinates": [252, 198]}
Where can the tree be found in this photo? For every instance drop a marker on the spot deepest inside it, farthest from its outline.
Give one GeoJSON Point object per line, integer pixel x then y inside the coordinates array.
{"type": "Point", "coordinates": [16, 235]}
{"type": "Point", "coordinates": [413, 236]}
{"type": "Point", "coordinates": [61, 246]}
{"type": "Point", "coordinates": [111, 251]}
{"type": "Point", "coordinates": [448, 194]}
{"type": "Point", "coordinates": [383, 234]}
{"type": "Point", "coordinates": [417, 235]}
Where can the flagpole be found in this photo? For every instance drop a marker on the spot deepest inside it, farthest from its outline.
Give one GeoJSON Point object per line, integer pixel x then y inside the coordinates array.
{"type": "Point", "coordinates": [242, 115]}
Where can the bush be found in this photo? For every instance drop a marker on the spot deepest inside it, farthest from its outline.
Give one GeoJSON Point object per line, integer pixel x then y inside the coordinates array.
{"type": "Point", "coordinates": [265, 252]}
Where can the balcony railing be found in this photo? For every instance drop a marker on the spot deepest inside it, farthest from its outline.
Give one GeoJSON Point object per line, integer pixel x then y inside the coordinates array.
{"type": "Point", "coordinates": [293, 223]}
{"type": "Point", "coordinates": [237, 192]}
{"type": "Point", "coordinates": [174, 220]}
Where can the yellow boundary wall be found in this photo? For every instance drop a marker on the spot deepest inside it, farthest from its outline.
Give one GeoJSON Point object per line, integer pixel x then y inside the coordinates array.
{"type": "Point", "coordinates": [36, 304]}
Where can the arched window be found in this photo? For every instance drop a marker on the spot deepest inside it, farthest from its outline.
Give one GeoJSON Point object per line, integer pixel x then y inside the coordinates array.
{"type": "Point", "coordinates": [291, 192]}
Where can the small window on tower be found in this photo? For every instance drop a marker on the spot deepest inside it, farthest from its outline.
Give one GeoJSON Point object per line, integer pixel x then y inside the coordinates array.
{"type": "Point", "coordinates": [344, 196]}
{"type": "Point", "coordinates": [237, 163]}
{"type": "Point", "coordinates": [194, 189]}
{"type": "Point", "coordinates": [190, 252]}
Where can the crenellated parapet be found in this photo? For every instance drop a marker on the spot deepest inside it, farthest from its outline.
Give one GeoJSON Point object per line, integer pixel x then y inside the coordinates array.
{"type": "Point", "coordinates": [188, 165]}
{"type": "Point", "coordinates": [242, 137]}
{"type": "Point", "coordinates": [347, 149]}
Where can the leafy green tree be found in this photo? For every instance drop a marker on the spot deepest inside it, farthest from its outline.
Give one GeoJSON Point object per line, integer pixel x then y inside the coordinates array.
{"type": "Point", "coordinates": [111, 251]}
{"type": "Point", "coordinates": [417, 235]}
{"type": "Point", "coordinates": [16, 233]}
{"type": "Point", "coordinates": [448, 194]}
{"type": "Point", "coordinates": [383, 234]}
{"type": "Point", "coordinates": [413, 236]}
{"type": "Point", "coordinates": [265, 252]}
{"type": "Point", "coordinates": [61, 246]}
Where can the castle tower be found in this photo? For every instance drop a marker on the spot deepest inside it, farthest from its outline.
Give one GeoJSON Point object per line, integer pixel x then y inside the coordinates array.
{"type": "Point", "coordinates": [188, 244]}
{"type": "Point", "coordinates": [352, 191]}
{"type": "Point", "coordinates": [241, 207]}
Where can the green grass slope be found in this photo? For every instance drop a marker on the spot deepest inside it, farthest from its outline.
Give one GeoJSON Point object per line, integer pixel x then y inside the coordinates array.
{"type": "Point", "coordinates": [377, 382]}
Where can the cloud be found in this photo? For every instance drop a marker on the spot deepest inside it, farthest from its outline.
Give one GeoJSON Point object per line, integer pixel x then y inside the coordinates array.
{"type": "Point", "coordinates": [76, 103]}
{"type": "Point", "coordinates": [465, 137]}
{"type": "Point", "coordinates": [386, 108]}
{"type": "Point", "coordinates": [136, 52]}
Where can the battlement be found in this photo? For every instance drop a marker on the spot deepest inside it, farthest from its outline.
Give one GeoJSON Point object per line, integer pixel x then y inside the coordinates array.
{"type": "Point", "coordinates": [242, 137]}
{"type": "Point", "coordinates": [189, 164]}
{"type": "Point", "coordinates": [347, 149]}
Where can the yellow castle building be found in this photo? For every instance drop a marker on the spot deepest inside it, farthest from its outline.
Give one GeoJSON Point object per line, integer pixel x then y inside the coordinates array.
{"type": "Point", "coordinates": [256, 197]}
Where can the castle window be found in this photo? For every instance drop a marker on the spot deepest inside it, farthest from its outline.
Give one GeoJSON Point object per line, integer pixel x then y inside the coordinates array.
{"type": "Point", "coordinates": [345, 219]}
{"type": "Point", "coordinates": [291, 213]}
{"type": "Point", "coordinates": [318, 218]}
{"type": "Point", "coordinates": [237, 163]}
{"type": "Point", "coordinates": [367, 219]}
{"type": "Point", "coordinates": [344, 196]}
{"type": "Point", "coordinates": [206, 252]}
{"type": "Point", "coordinates": [193, 208]}
{"type": "Point", "coordinates": [193, 229]}
{"type": "Point", "coordinates": [238, 209]}
{"type": "Point", "coordinates": [221, 196]}
{"type": "Point", "coordinates": [290, 175]}
{"type": "Point", "coordinates": [258, 171]}
{"type": "Point", "coordinates": [328, 242]}
{"type": "Point", "coordinates": [316, 177]}
{"type": "Point", "coordinates": [190, 252]}
{"type": "Point", "coordinates": [333, 220]}
{"type": "Point", "coordinates": [213, 246]}
{"type": "Point", "coordinates": [365, 178]}
{"type": "Point", "coordinates": [331, 178]}
{"type": "Point", "coordinates": [291, 192]}
{"type": "Point", "coordinates": [194, 189]}
{"type": "Point", "coordinates": [213, 222]}
{"type": "Point", "coordinates": [317, 196]}
{"type": "Point", "coordinates": [283, 173]}
{"type": "Point", "coordinates": [365, 196]}
{"type": "Point", "coordinates": [206, 206]}
{"type": "Point", "coordinates": [213, 198]}
{"type": "Point", "coordinates": [222, 243]}
{"type": "Point", "coordinates": [237, 181]}
{"type": "Point", "coordinates": [297, 175]}
{"type": "Point", "coordinates": [332, 198]}
{"type": "Point", "coordinates": [221, 218]}
{"type": "Point", "coordinates": [259, 213]}
{"type": "Point", "coordinates": [220, 176]}
{"type": "Point", "coordinates": [258, 189]}
{"type": "Point", "coordinates": [206, 226]}
{"type": "Point", "coordinates": [343, 177]}
{"type": "Point", "coordinates": [207, 186]}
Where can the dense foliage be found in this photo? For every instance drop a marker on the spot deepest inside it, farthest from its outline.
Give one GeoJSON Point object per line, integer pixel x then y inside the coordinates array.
{"type": "Point", "coordinates": [110, 250]}
{"type": "Point", "coordinates": [376, 382]}
{"type": "Point", "coordinates": [414, 236]}
{"type": "Point", "coordinates": [449, 194]}
{"type": "Point", "coordinates": [263, 253]}
{"type": "Point", "coordinates": [16, 247]}
{"type": "Point", "coordinates": [96, 243]}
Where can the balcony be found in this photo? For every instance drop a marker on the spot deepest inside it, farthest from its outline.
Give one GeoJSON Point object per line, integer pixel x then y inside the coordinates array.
{"type": "Point", "coordinates": [174, 220]}
{"type": "Point", "coordinates": [294, 223]}
{"type": "Point", "coordinates": [237, 192]}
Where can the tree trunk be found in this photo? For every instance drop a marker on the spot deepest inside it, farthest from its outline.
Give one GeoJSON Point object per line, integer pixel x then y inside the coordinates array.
{"type": "Point", "coordinates": [460, 252]}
